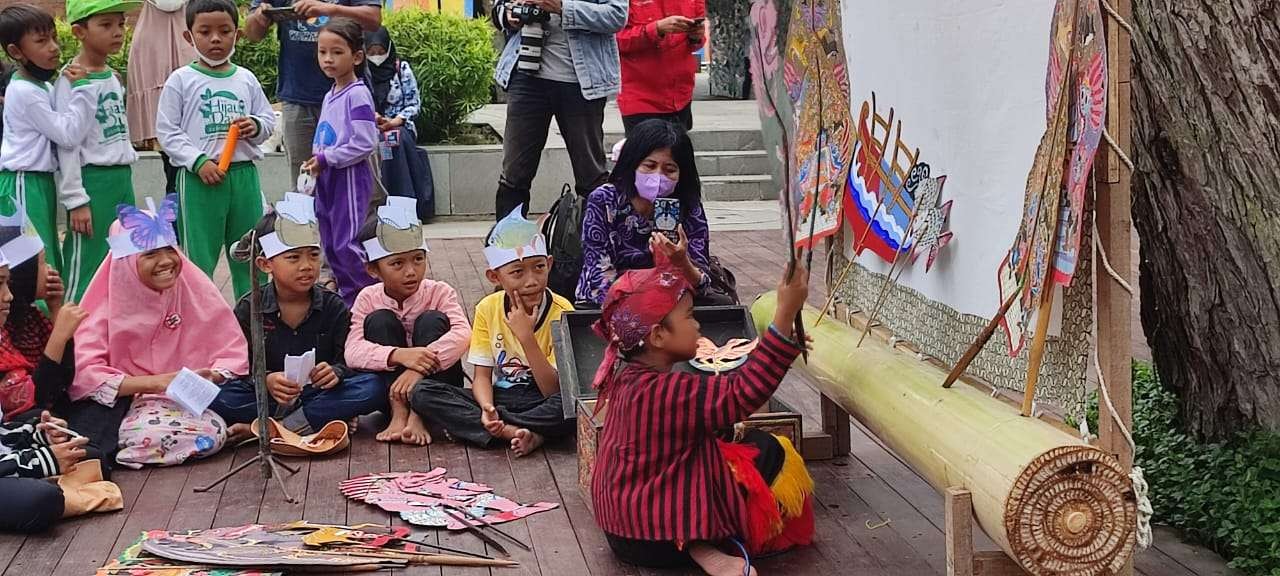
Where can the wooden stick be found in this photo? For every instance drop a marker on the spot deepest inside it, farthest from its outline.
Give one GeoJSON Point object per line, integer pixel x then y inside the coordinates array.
{"type": "Point", "coordinates": [857, 247]}
{"type": "Point", "coordinates": [983, 337]}
{"type": "Point", "coordinates": [475, 530]}
{"type": "Point", "coordinates": [490, 526]}
{"type": "Point", "coordinates": [888, 279]}
{"type": "Point", "coordinates": [1036, 357]}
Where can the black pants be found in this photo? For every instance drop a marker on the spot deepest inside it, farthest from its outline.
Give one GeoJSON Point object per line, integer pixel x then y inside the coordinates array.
{"type": "Point", "coordinates": [664, 553]}
{"type": "Point", "coordinates": [682, 117]}
{"type": "Point", "coordinates": [531, 104]}
{"type": "Point", "coordinates": [383, 327]}
{"type": "Point", "coordinates": [100, 424]}
{"type": "Point", "coordinates": [456, 412]}
{"type": "Point", "coordinates": [30, 505]}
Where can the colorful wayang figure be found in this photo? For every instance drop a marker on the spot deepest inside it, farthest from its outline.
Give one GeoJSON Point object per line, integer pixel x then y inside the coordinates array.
{"type": "Point", "coordinates": [817, 84]}
{"type": "Point", "coordinates": [1046, 249]}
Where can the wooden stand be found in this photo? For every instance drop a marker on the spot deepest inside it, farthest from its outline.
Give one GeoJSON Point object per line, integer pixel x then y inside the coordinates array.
{"type": "Point", "coordinates": [962, 560]}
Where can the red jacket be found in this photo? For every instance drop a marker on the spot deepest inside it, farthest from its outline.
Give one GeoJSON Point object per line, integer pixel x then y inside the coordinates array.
{"type": "Point", "coordinates": [657, 73]}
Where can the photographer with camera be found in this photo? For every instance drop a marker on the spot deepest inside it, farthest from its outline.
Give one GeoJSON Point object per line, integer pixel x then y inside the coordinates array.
{"type": "Point", "coordinates": [658, 65]}
{"type": "Point", "coordinates": [561, 61]}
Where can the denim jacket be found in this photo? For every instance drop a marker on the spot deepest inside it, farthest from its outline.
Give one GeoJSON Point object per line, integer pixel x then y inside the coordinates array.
{"type": "Point", "coordinates": [590, 26]}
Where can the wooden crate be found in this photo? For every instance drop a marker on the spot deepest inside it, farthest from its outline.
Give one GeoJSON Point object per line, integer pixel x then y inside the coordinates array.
{"type": "Point", "coordinates": [775, 418]}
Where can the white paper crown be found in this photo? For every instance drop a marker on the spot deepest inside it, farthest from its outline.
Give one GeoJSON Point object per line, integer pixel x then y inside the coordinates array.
{"type": "Point", "coordinates": [399, 230]}
{"type": "Point", "coordinates": [143, 231]}
{"type": "Point", "coordinates": [18, 240]}
{"type": "Point", "coordinates": [296, 226]}
{"type": "Point", "coordinates": [514, 238]}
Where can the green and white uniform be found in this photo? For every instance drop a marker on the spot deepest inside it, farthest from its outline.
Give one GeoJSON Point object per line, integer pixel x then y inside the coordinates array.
{"type": "Point", "coordinates": [197, 108]}
{"type": "Point", "coordinates": [96, 172]}
{"type": "Point", "coordinates": [27, 161]}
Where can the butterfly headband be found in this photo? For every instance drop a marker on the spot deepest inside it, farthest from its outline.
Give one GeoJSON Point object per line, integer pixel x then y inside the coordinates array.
{"type": "Point", "coordinates": [18, 240]}
{"type": "Point", "coordinates": [399, 230]}
{"type": "Point", "coordinates": [512, 239]}
{"type": "Point", "coordinates": [143, 231]}
{"type": "Point", "coordinates": [296, 226]}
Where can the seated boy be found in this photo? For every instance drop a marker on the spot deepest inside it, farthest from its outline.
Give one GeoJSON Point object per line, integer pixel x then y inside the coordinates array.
{"type": "Point", "coordinates": [298, 316]}
{"type": "Point", "coordinates": [406, 327]}
{"type": "Point", "coordinates": [515, 395]}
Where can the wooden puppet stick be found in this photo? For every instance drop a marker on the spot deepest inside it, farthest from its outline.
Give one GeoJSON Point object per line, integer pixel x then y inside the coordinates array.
{"type": "Point", "coordinates": [831, 298]}
{"type": "Point", "coordinates": [889, 279]}
{"type": "Point", "coordinates": [472, 528]}
{"type": "Point", "coordinates": [489, 525]}
{"type": "Point", "coordinates": [1036, 356]}
{"type": "Point", "coordinates": [987, 332]}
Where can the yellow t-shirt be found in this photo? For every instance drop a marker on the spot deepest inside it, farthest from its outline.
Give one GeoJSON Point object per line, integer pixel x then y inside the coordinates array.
{"type": "Point", "coordinates": [494, 345]}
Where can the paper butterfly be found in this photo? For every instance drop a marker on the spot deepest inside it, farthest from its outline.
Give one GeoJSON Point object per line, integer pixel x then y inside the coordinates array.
{"type": "Point", "coordinates": [149, 232]}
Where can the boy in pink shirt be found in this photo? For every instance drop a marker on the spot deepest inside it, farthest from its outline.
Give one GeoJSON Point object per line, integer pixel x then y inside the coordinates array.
{"type": "Point", "coordinates": [407, 327]}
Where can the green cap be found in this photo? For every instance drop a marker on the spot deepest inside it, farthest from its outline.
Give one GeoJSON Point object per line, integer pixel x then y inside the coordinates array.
{"type": "Point", "coordinates": [78, 10]}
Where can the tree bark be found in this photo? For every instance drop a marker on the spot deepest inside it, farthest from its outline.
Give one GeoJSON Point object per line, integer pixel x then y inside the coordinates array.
{"type": "Point", "coordinates": [1206, 203]}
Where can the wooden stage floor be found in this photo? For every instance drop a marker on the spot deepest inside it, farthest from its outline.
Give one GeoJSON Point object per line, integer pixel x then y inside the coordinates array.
{"type": "Point", "coordinates": [874, 515]}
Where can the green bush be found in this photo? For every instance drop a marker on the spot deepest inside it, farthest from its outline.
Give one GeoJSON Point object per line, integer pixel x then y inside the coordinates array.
{"type": "Point", "coordinates": [1223, 495]}
{"type": "Point", "coordinates": [263, 58]}
{"type": "Point", "coordinates": [452, 58]}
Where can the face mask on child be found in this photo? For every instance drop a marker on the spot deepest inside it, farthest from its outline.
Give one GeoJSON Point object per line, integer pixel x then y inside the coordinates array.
{"type": "Point", "coordinates": [215, 63]}
{"type": "Point", "coordinates": [41, 74]}
{"type": "Point", "coordinates": [378, 59]}
{"type": "Point", "coordinates": [654, 185]}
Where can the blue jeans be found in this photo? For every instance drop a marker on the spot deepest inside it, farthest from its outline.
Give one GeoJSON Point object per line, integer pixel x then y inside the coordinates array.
{"type": "Point", "coordinates": [357, 395]}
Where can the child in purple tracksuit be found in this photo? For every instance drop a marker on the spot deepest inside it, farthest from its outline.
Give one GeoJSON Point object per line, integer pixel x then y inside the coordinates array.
{"type": "Point", "coordinates": [345, 137]}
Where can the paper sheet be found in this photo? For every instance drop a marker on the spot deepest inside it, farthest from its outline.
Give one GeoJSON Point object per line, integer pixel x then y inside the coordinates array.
{"type": "Point", "coordinates": [192, 392]}
{"type": "Point", "coordinates": [298, 369]}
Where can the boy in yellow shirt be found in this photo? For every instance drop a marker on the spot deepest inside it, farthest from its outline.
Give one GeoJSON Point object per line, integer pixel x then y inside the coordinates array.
{"type": "Point", "coordinates": [515, 394]}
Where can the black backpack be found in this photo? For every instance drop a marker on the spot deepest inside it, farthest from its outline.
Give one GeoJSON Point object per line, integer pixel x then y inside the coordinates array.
{"type": "Point", "coordinates": [563, 230]}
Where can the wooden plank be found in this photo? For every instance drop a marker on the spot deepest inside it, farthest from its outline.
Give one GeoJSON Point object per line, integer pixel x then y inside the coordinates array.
{"type": "Point", "coordinates": [96, 538]}
{"type": "Point", "coordinates": [454, 458]}
{"type": "Point", "coordinates": [324, 502]}
{"type": "Point", "coordinates": [406, 458]}
{"type": "Point", "coordinates": [41, 554]}
{"type": "Point", "coordinates": [591, 540]}
{"type": "Point", "coordinates": [154, 504]}
{"type": "Point", "coordinates": [275, 510]}
{"type": "Point", "coordinates": [835, 423]}
{"type": "Point", "coordinates": [553, 537]}
{"type": "Point", "coordinates": [959, 512]}
{"type": "Point", "coordinates": [9, 546]}
{"type": "Point", "coordinates": [241, 494]}
{"type": "Point", "coordinates": [1197, 559]}
{"type": "Point", "coordinates": [367, 456]}
{"type": "Point", "coordinates": [884, 544]}
{"type": "Point", "coordinates": [196, 510]}
{"type": "Point", "coordinates": [1153, 562]}
{"type": "Point", "coordinates": [995, 564]}
{"type": "Point", "coordinates": [844, 552]}
{"type": "Point", "coordinates": [493, 467]}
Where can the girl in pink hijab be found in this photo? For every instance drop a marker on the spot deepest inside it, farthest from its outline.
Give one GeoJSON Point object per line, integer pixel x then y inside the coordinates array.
{"type": "Point", "coordinates": [151, 314]}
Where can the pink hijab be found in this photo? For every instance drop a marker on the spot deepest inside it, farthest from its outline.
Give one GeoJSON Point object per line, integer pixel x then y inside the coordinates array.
{"type": "Point", "coordinates": [133, 330]}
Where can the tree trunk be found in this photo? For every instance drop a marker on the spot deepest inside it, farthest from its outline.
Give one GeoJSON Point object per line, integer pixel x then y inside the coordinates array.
{"type": "Point", "coordinates": [1206, 203]}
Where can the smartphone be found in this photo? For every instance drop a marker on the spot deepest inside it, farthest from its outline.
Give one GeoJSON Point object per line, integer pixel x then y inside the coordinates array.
{"type": "Point", "coordinates": [280, 14]}
{"type": "Point", "coordinates": [699, 21]}
{"type": "Point", "coordinates": [666, 217]}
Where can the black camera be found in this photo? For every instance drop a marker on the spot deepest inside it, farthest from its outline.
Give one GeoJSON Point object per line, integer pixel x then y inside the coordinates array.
{"type": "Point", "coordinates": [529, 14]}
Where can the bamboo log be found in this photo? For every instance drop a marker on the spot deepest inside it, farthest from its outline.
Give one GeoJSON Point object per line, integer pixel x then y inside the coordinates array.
{"type": "Point", "coordinates": [1052, 503]}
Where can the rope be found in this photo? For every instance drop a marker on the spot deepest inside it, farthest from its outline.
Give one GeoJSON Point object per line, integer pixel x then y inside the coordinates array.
{"type": "Point", "coordinates": [1115, 147]}
{"type": "Point", "coordinates": [1111, 11]}
{"type": "Point", "coordinates": [1106, 263]}
{"type": "Point", "coordinates": [1140, 492]}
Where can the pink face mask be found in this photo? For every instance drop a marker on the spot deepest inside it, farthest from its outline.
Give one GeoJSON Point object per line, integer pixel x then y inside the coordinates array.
{"type": "Point", "coordinates": [654, 185]}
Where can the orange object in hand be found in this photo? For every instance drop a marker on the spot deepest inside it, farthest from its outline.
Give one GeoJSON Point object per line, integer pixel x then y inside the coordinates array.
{"type": "Point", "coordinates": [229, 149]}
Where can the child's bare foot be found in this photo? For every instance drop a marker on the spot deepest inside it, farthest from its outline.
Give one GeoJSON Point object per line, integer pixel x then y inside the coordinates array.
{"type": "Point", "coordinates": [415, 431]}
{"type": "Point", "coordinates": [525, 442]}
{"type": "Point", "coordinates": [395, 430]}
{"type": "Point", "coordinates": [353, 426]}
{"type": "Point", "coordinates": [237, 433]}
{"type": "Point", "coordinates": [717, 563]}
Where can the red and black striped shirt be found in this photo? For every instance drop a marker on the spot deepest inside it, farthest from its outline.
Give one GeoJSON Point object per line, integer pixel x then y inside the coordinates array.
{"type": "Point", "coordinates": [659, 474]}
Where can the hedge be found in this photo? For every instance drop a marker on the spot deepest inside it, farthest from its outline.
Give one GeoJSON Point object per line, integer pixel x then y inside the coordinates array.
{"type": "Point", "coordinates": [452, 57]}
{"type": "Point", "coordinates": [1224, 495]}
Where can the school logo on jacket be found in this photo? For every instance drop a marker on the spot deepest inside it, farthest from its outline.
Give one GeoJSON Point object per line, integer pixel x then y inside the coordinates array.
{"type": "Point", "coordinates": [111, 118]}
{"type": "Point", "coordinates": [219, 109]}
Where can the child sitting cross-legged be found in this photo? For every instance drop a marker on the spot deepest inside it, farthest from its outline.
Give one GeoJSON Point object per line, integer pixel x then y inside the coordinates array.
{"type": "Point", "coordinates": [515, 395]}
{"type": "Point", "coordinates": [406, 327]}
{"type": "Point", "coordinates": [659, 442]}
{"type": "Point", "coordinates": [298, 316]}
